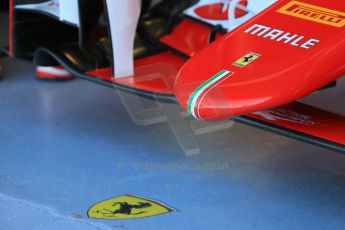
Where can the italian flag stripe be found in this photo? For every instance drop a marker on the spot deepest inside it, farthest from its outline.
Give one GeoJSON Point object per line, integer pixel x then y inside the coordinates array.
{"type": "Point", "coordinates": [205, 87]}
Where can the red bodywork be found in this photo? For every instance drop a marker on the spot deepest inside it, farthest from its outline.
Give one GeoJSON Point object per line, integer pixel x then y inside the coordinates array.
{"type": "Point", "coordinates": [214, 11]}
{"type": "Point", "coordinates": [10, 29]}
{"type": "Point", "coordinates": [282, 71]}
{"type": "Point", "coordinates": [188, 37]}
{"type": "Point", "coordinates": [155, 73]}
{"type": "Point", "coordinates": [305, 119]}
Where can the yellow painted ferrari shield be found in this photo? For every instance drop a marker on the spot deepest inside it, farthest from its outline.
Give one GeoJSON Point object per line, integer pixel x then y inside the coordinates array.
{"type": "Point", "coordinates": [246, 59]}
{"type": "Point", "coordinates": [127, 207]}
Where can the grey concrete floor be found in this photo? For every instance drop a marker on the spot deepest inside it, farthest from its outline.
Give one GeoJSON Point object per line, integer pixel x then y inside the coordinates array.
{"type": "Point", "coordinates": [65, 146]}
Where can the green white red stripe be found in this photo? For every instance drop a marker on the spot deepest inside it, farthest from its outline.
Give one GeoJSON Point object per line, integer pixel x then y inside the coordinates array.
{"type": "Point", "coordinates": [198, 95]}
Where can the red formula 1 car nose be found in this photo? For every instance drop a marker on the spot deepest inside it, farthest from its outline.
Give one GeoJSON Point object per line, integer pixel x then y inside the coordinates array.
{"type": "Point", "coordinates": [204, 100]}
{"type": "Point", "coordinates": [265, 63]}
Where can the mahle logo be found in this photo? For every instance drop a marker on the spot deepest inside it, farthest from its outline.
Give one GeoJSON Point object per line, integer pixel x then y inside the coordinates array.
{"type": "Point", "coordinates": [314, 13]}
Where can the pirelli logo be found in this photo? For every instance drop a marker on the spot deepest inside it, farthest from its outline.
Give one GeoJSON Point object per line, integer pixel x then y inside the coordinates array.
{"type": "Point", "coordinates": [314, 13]}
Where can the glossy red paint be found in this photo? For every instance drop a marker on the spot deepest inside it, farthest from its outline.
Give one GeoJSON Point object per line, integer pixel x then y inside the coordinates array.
{"type": "Point", "coordinates": [188, 37]}
{"type": "Point", "coordinates": [56, 73]}
{"type": "Point", "coordinates": [10, 28]}
{"type": "Point", "coordinates": [155, 73]}
{"type": "Point", "coordinates": [285, 71]}
{"type": "Point", "coordinates": [306, 119]}
{"type": "Point", "coordinates": [214, 11]}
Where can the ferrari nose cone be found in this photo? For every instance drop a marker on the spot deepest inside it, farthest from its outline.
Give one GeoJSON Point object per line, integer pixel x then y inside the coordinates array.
{"type": "Point", "coordinates": [204, 100]}
{"type": "Point", "coordinates": [265, 63]}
